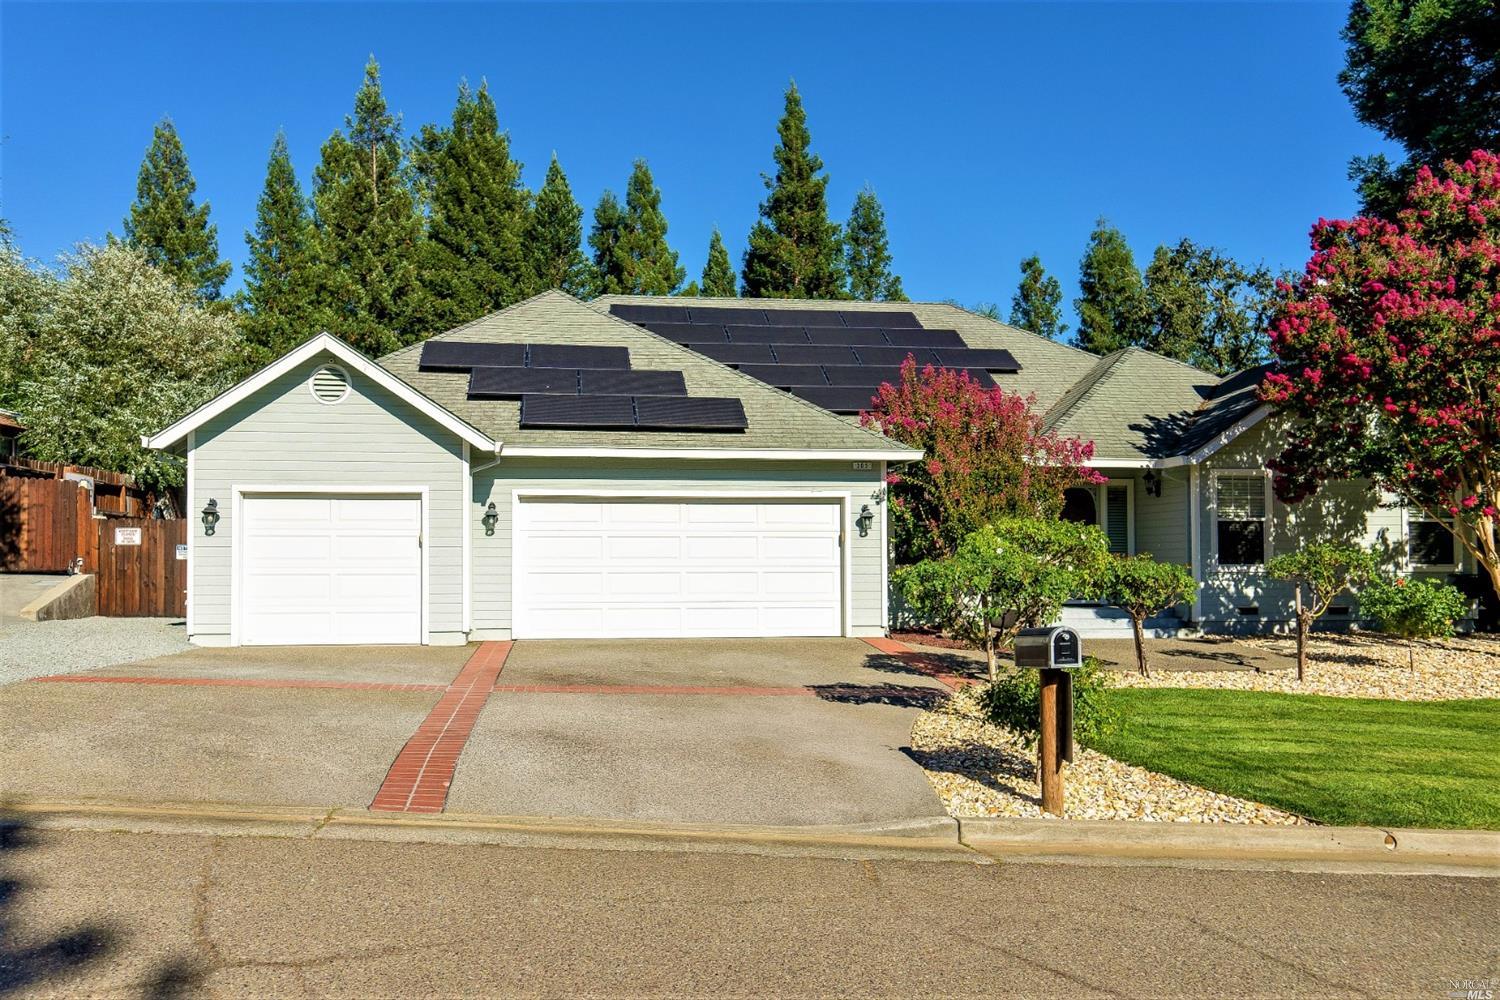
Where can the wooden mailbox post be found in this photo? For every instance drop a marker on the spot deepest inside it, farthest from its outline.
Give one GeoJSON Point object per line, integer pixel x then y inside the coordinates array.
{"type": "Point", "coordinates": [1054, 651]}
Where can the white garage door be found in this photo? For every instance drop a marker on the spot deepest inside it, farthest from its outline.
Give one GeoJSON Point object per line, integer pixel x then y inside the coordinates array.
{"type": "Point", "coordinates": [330, 569]}
{"type": "Point", "coordinates": [665, 569]}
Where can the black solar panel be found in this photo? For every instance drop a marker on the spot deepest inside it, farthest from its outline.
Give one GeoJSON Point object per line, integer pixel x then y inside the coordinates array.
{"type": "Point", "coordinates": [633, 312]}
{"type": "Point", "coordinates": [458, 356]}
{"type": "Point", "coordinates": [611, 382]}
{"type": "Point", "coordinates": [612, 412]}
{"type": "Point", "coordinates": [839, 335]}
{"type": "Point", "coordinates": [895, 356]}
{"type": "Point", "coordinates": [767, 334]}
{"type": "Point", "coordinates": [808, 354]}
{"type": "Point", "coordinates": [687, 333]}
{"type": "Point", "coordinates": [882, 318]}
{"type": "Point", "coordinates": [510, 383]}
{"type": "Point", "coordinates": [786, 376]}
{"type": "Point", "coordinates": [836, 398]}
{"type": "Point", "coordinates": [729, 314]}
{"type": "Point", "coordinates": [690, 413]}
{"type": "Point", "coordinates": [806, 317]}
{"type": "Point", "coordinates": [995, 359]}
{"type": "Point", "coordinates": [571, 356]}
{"type": "Point", "coordinates": [862, 376]}
{"type": "Point", "coordinates": [924, 338]}
{"type": "Point", "coordinates": [736, 354]}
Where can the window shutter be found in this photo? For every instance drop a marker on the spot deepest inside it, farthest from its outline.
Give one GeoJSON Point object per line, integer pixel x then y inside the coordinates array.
{"type": "Point", "coordinates": [1241, 498]}
{"type": "Point", "coordinates": [1117, 518]}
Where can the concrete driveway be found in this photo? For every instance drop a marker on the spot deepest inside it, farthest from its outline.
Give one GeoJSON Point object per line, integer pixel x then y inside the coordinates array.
{"type": "Point", "coordinates": [765, 731]}
{"type": "Point", "coordinates": [793, 732]}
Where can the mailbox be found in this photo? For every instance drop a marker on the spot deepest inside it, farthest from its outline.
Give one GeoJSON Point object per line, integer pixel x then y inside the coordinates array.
{"type": "Point", "coordinates": [1055, 648]}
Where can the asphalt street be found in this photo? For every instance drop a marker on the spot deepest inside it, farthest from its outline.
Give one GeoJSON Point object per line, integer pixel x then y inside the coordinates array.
{"type": "Point", "coordinates": [128, 914]}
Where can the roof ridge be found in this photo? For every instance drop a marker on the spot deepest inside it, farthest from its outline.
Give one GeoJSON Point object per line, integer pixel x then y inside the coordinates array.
{"type": "Point", "coordinates": [759, 385]}
{"type": "Point", "coordinates": [1096, 376]}
{"type": "Point", "coordinates": [1165, 357]}
{"type": "Point", "coordinates": [544, 293]}
{"type": "Point", "coordinates": [1009, 326]}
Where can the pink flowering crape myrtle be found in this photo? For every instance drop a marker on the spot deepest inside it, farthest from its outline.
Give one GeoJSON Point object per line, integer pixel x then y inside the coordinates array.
{"type": "Point", "coordinates": [1388, 351]}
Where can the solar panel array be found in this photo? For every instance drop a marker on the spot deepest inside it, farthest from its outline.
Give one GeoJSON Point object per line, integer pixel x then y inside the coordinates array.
{"type": "Point", "coordinates": [580, 386]}
{"type": "Point", "coordinates": [834, 358]}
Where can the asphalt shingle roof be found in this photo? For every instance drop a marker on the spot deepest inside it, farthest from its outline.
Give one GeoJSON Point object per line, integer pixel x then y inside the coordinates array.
{"type": "Point", "coordinates": [776, 420]}
{"type": "Point", "coordinates": [1133, 405]}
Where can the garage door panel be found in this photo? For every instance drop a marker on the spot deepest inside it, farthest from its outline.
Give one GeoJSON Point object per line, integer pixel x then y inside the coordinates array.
{"type": "Point", "coordinates": [678, 568]}
{"type": "Point", "coordinates": [287, 590]}
{"type": "Point", "coordinates": [288, 514]}
{"type": "Point", "coordinates": [387, 514]}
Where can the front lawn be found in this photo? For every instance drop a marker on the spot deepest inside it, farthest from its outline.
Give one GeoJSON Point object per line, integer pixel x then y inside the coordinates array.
{"type": "Point", "coordinates": [1348, 761]}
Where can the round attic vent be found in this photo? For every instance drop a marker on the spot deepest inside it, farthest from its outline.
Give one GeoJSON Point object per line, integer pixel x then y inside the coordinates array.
{"type": "Point", "coordinates": [330, 384]}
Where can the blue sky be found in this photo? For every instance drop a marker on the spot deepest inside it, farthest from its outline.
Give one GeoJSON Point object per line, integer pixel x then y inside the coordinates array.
{"type": "Point", "coordinates": [989, 131]}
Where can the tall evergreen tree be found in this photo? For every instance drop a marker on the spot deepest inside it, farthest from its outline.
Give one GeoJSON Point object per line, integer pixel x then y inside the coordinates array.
{"type": "Point", "coordinates": [555, 237]}
{"type": "Point", "coordinates": [1037, 304]}
{"type": "Point", "coordinates": [604, 240]}
{"type": "Point", "coordinates": [718, 274]}
{"type": "Point", "coordinates": [867, 252]}
{"type": "Point", "coordinates": [650, 265]}
{"type": "Point", "coordinates": [1112, 311]}
{"type": "Point", "coordinates": [166, 224]}
{"type": "Point", "coordinates": [278, 271]}
{"type": "Point", "coordinates": [475, 259]}
{"type": "Point", "coordinates": [1207, 309]}
{"type": "Point", "coordinates": [368, 288]}
{"type": "Point", "coordinates": [794, 250]}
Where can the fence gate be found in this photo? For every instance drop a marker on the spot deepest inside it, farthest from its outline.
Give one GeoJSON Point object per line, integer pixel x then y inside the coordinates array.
{"type": "Point", "coordinates": [139, 572]}
{"type": "Point", "coordinates": [44, 525]}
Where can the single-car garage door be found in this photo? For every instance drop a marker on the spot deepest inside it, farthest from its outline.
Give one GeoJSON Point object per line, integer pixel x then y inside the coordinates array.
{"type": "Point", "coordinates": [666, 569]}
{"type": "Point", "coordinates": [324, 569]}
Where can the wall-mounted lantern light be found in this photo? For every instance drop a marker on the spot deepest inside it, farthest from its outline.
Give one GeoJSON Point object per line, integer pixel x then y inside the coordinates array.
{"type": "Point", "coordinates": [1152, 482]}
{"type": "Point", "coordinates": [210, 516]}
{"type": "Point", "coordinates": [490, 519]}
{"type": "Point", "coordinates": [864, 520]}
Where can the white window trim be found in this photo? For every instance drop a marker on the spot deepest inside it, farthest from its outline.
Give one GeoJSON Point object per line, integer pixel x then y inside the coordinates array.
{"type": "Point", "coordinates": [1213, 519]}
{"type": "Point", "coordinates": [1410, 514]}
{"type": "Point", "coordinates": [843, 498]}
{"type": "Point", "coordinates": [237, 536]}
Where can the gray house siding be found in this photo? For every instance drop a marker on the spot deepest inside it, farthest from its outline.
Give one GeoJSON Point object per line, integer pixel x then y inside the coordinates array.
{"type": "Point", "coordinates": [491, 554]}
{"type": "Point", "coordinates": [282, 435]}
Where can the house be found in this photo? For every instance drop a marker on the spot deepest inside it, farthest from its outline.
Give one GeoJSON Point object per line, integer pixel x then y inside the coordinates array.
{"type": "Point", "coordinates": [639, 467]}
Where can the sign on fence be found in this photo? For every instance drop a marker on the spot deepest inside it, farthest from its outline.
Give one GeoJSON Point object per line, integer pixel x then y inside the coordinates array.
{"type": "Point", "coordinates": [182, 552]}
{"type": "Point", "coordinates": [127, 536]}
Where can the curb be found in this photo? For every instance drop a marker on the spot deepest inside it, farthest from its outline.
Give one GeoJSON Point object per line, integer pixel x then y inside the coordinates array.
{"type": "Point", "coordinates": [1394, 847]}
{"type": "Point", "coordinates": [73, 597]}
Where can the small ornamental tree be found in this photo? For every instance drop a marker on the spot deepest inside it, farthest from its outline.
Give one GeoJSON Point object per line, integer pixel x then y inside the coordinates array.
{"type": "Point", "coordinates": [1320, 572]}
{"type": "Point", "coordinates": [1413, 609]}
{"type": "Point", "coordinates": [1004, 577]}
{"type": "Point", "coordinates": [1141, 587]}
{"type": "Point", "coordinates": [986, 456]}
{"type": "Point", "coordinates": [1389, 355]}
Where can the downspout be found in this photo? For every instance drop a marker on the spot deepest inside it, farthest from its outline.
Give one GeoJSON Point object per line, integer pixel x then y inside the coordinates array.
{"type": "Point", "coordinates": [1196, 542]}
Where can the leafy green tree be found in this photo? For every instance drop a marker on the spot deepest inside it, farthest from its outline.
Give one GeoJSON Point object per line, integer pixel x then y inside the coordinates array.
{"type": "Point", "coordinates": [168, 226]}
{"type": "Point", "coordinates": [1425, 73]}
{"type": "Point", "coordinates": [1413, 609]}
{"type": "Point", "coordinates": [555, 238]}
{"type": "Point", "coordinates": [1010, 575]}
{"type": "Point", "coordinates": [648, 264]}
{"type": "Point", "coordinates": [605, 238]}
{"type": "Point", "coordinates": [121, 350]}
{"type": "Point", "coordinates": [475, 258]}
{"type": "Point", "coordinates": [278, 270]}
{"type": "Point", "coordinates": [26, 294]}
{"type": "Point", "coordinates": [689, 290]}
{"type": "Point", "coordinates": [1207, 309]}
{"type": "Point", "coordinates": [1320, 572]}
{"type": "Point", "coordinates": [718, 273]}
{"type": "Point", "coordinates": [867, 253]}
{"type": "Point", "coordinates": [367, 278]}
{"type": "Point", "coordinates": [1141, 587]}
{"type": "Point", "coordinates": [1037, 304]}
{"type": "Point", "coordinates": [1112, 309]}
{"type": "Point", "coordinates": [794, 250]}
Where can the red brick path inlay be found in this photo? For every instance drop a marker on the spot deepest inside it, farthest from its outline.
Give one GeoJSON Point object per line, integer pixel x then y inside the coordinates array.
{"type": "Point", "coordinates": [418, 781]}
{"type": "Point", "coordinates": [921, 662]}
{"type": "Point", "coordinates": [251, 682]}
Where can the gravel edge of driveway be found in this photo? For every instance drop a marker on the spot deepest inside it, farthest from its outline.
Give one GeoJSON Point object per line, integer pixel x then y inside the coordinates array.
{"type": "Point", "coordinates": [36, 649]}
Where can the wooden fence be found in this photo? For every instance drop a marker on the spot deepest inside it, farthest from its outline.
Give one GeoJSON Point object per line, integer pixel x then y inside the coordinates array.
{"type": "Point", "coordinates": [44, 525]}
{"type": "Point", "coordinates": [139, 574]}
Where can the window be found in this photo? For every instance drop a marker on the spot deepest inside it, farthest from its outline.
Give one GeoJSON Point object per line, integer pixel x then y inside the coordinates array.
{"type": "Point", "coordinates": [1106, 506]}
{"type": "Point", "coordinates": [1430, 542]}
{"type": "Point", "coordinates": [1240, 520]}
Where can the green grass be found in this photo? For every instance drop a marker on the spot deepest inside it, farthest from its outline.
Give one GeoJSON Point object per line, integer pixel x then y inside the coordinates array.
{"type": "Point", "coordinates": [1349, 761]}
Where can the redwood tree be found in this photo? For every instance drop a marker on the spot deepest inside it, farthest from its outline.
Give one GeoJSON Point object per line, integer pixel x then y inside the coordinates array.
{"type": "Point", "coordinates": [1389, 351]}
{"type": "Point", "coordinates": [986, 457]}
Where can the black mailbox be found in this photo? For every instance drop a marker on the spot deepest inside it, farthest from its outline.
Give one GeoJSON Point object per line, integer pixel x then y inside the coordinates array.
{"type": "Point", "coordinates": [1055, 648]}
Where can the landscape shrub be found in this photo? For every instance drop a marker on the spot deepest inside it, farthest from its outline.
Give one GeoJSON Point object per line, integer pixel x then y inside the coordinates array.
{"type": "Point", "coordinates": [1014, 701]}
{"type": "Point", "coordinates": [1413, 609]}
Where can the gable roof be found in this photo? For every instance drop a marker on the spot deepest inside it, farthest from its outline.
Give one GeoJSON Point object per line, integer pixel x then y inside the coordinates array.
{"type": "Point", "coordinates": [323, 343]}
{"type": "Point", "coordinates": [779, 425]}
{"type": "Point", "coordinates": [1134, 405]}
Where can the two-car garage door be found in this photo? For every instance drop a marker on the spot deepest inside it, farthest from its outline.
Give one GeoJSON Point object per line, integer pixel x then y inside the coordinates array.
{"type": "Point", "coordinates": [639, 568]}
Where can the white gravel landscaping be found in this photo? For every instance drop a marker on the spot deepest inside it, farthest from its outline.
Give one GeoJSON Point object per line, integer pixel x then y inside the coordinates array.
{"type": "Point", "coordinates": [35, 649]}
{"type": "Point", "coordinates": [980, 769]}
{"type": "Point", "coordinates": [1357, 666]}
